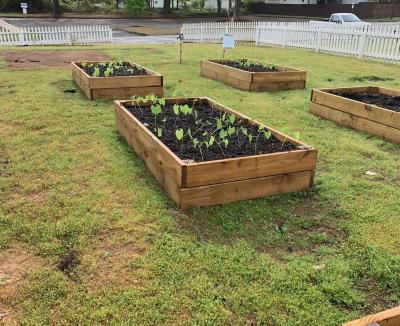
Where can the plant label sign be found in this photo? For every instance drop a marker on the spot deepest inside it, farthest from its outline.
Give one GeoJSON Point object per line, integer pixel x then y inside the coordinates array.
{"type": "Point", "coordinates": [24, 5]}
{"type": "Point", "coordinates": [228, 41]}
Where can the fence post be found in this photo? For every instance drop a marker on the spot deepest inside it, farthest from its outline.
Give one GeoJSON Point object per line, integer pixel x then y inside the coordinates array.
{"type": "Point", "coordinates": [284, 36]}
{"type": "Point", "coordinates": [258, 31]}
{"type": "Point", "coordinates": [110, 34]}
{"type": "Point", "coordinates": [201, 33]}
{"type": "Point", "coordinates": [68, 36]}
{"type": "Point", "coordinates": [21, 38]}
{"type": "Point", "coordinates": [361, 44]}
{"type": "Point", "coordinates": [319, 38]}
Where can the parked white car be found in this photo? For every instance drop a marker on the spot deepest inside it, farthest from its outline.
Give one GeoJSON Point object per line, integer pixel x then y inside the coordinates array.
{"type": "Point", "coordinates": [346, 18]}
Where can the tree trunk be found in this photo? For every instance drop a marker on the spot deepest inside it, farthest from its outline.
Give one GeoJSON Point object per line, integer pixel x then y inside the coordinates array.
{"type": "Point", "coordinates": [167, 7]}
{"type": "Point", "coordinates": [56, 8]}
{"type": "Point", "coordinates": [236, 11]}
{"type": "Point", "coordinates": [219, 5]}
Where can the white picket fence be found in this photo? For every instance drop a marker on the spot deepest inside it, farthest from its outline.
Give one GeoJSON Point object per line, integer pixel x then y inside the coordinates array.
{"type": "Point", "coordinates": [55, 35]}
{"type": "Point", "coordinates": [213, 32]}
{"type": "Point", "coordinates": [376, 41]}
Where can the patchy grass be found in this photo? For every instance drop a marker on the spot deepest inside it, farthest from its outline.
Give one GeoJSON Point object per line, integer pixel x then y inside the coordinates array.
{"type": "Point", "coordinates": [115, 249]}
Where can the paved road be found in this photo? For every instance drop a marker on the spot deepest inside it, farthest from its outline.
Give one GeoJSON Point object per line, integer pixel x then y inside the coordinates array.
{"type": "Point", "coordinates": [119, 37]}
{"type": "Point", "coordinates": [122, 37]}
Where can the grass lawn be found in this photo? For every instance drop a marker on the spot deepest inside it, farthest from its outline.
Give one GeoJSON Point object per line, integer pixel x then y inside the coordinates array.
{"type": "Point", "coordinates": [88, 237]}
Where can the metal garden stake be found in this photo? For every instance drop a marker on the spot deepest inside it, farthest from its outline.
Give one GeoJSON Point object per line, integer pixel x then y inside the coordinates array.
{"type": "Point", "coordinates": [180, 38]}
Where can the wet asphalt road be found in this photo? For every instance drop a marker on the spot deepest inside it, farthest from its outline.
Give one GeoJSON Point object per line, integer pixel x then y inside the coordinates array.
{"type": "Point", "coordinates": [122, 37]}
{"type": "Point", "coordinates": [119, 37]}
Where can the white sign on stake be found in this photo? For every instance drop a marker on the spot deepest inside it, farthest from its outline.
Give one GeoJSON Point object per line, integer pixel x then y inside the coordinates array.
{"type": "Point", "coordinates": [228, 41]}
{"type": "Point", "coordinates": [24, 5]}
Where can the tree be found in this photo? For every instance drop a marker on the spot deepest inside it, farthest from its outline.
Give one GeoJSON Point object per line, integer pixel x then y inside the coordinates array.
{"type": "Point", "coordinates": [236, 11]}
{"type": "Point", "coordinates": [167, 7]}
{"type": "Point", "coordinates": [219, 5]}
{"type": "Point", "coordinates": [56, 8]}
{"type": "Point", "coordinates": [137, 7]}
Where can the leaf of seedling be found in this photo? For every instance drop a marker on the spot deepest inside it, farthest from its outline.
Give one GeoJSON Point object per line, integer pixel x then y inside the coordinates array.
{"type": "Point", "coordinates": [159, 132]}
{"type": "Point", "coordinates": [161, 101]}
{"type": "Point", "coordinates": [96, 72]}
{"type": "Point", "coordinates": [186, 109]}
{"type": "Point", "coordinates": [244, 131]}
{"type": "Point", "coordinates": [296, 135]}
{"type": "Point", "coordinates": [219, 124]}
{"type": "Point", "coordinates": [156, 109]}
{"type": "Point", "coordinates": [224, 117]}
{"type": "Point", "coordinates": [232, 119]}
{"type": "Point", "coordinates": [250, 138]}
{"type": "Point", "coordinates": [176, 109]}
{"type": "Point", "coordinates": [226, 142]}
{"type": "Point", "coordinates": [223, 133]}
{"type": "Point", "coordinates": [231, 130]}
{"type": "Point", "coordinates": [179, 134]}
{"type": "Point", "coordinates": [195, 142]}
{"type": "Point", "coordinates": [189, 132]}
{"type": "Point", "coordinates": [205, 133]}
{"type": "Point", "coordinates": [267, 134]}
{"type": "Point", "coordinates": [211, 141]}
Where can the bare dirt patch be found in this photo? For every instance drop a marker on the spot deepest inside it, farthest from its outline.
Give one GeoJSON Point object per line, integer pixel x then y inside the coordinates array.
{"type": "Point", "coordinates": [44, 59]}
{"type": "Point", "coordinates": [108, 265]}
{"type": "Point", "coordinates": [14, 264]}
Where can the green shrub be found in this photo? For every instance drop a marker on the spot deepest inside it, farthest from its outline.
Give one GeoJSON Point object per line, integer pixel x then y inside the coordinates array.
{"type": "Point", "coordinates": [137, 7]}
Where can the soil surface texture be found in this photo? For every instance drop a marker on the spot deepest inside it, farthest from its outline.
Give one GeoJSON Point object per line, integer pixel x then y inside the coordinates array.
{"type": "Point", "coordinates": [248, 65]}
{"type": "Point", "coordinates": [113, 69]}
{"type": "Point", "coordinates": [384, 101]}
{"type": "Point", "coordinates": [43, 59]}
{"type": "Point", "coordinates": [202, 128]}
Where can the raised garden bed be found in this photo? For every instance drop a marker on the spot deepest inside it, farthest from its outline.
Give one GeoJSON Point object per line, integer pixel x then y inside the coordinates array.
{"type": "Point", "coordinates": [371, 109]}
{"type": "Point", "coordinates": [253, 76]}
{"type": "Point", "coordinates": [230, 168]}
{"type": "Point", "coordinates": [389, 317]}
{"type": "Point", "coordinates": [116, 80]}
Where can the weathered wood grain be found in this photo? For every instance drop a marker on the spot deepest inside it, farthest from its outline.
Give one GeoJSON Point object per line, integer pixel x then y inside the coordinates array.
{"type": "Point", "coordinates": [389, 317]}
{"type": "Point", "coordinates": [122, 87]}
{"type": "Point", "coordinates": [368, 111]}
{"type": "Point", "coordinates": [355, 122]}
{"type": "Point", "coordinates": [357, 115]}
{"type": "Point", "coordinates": [219, 181]}
{"type": "Point", "coordinates": [283, 79]}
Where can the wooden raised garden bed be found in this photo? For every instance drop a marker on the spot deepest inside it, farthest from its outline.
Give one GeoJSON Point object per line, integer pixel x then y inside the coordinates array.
{"type": "Point", "coordinates": [389, 317]}
{"type": "Point", "coordinates": [135, 80]}
{"type": "Point", "coordinates": [354, 107]}
{"type": "Point", "coordinates": [202, 183]}
{"type": "Point", "coordinates": [274, 78]}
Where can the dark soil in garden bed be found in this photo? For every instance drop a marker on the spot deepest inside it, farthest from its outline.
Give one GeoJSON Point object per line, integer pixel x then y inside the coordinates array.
{"type": "Point", "coordinates": [384, 101]}
{"type": "Point", "coordinates": [206, 122]}
{"type": "Point", "coordinates": [248, 65]}
{"type": "Point", "coordinates": [112, 69]}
